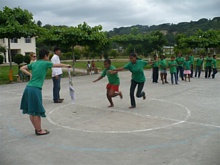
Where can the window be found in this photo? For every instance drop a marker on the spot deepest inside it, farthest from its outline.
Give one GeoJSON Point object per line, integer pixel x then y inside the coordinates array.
{"type": "Point", "coordinates": [14, 40]}
{"type": "Point", "coordinates": [28, 40]}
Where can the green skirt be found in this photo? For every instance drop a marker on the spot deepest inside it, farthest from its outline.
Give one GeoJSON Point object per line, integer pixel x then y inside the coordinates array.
{"type": "Point", "coordinates": [31, 102]}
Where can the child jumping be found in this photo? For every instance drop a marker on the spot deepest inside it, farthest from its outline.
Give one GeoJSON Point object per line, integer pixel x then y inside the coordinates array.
{"type": "Point", "coordinates": [114, 81]}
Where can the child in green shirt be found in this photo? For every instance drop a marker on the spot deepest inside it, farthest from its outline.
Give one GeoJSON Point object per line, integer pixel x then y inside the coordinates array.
{"type": "Point", "coordinates": [163, 69]}
{"type": "Point", "coordinates": [113, 82]}
{"type": "Point", "coordinates": [208, 66]}
{"type": "Point", "coordinates": [214, 66]}
{"type": "Point", "coordinates": [136, 67]}
{"type": "Point", "coordinates": [155, 67]}
{"type": "Point", "coordinates": [180, 61]}
{"type": "Point", "coordinates": [186, 66]}
{"type": "Point", "coordinates": [172, 65]}
{"type": "Point", "coordinates": [199, 63]}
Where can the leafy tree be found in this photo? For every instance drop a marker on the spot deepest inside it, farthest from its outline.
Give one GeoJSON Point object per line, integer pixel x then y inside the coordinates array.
{"type": "Point", "coordinates": [39, 23]}
{"type": "Point", "coordinates": [16, 23]}
{"type": "Point", "coordinates": [69, 37]}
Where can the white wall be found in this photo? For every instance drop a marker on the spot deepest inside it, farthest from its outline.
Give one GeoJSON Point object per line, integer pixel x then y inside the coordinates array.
{"type": "Point", "coordinates": [20, 46]}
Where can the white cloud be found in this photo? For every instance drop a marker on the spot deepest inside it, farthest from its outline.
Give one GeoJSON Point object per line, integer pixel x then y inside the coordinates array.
{"type": "Point", "coordinates": [116, 13]}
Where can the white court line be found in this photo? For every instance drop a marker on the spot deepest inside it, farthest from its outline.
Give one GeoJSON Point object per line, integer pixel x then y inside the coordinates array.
{"type": "Point", "coordinates": [177, 122]}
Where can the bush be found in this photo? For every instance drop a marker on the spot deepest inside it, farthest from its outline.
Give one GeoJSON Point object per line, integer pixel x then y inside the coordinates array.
{"type": "Point", "coordinates": [113, 53]}
{"type": "Point", "coordinates": [68, 55]}
{"type": "Point", "coordinates": [27, 59]}
{"type": "Point", "coordinates": [1, 59]}
{"type": "Point", "coordinates": [18, 59]}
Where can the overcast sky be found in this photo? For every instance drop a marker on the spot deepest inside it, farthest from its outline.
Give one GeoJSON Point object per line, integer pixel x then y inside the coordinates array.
{"type": "Point", "coordinates": [116, 13]}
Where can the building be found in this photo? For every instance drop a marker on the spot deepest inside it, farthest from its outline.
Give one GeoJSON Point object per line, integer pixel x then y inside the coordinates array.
{"type": "Point", "coordinates": [168, 50]}
{"type": "Point", "coordinates": [18, 46]}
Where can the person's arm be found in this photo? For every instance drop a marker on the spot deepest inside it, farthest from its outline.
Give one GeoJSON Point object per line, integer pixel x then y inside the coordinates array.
{"type": "Point", "coordinates": [119, 69]}
{"type": "Point", "coordinates": [24, 69]}
{"type": "Point", "coordinates": [61, 65]}
{"type": "Point", "coordinates": [99, 78]}
{"type": "Point", "coordinates": [113, 71]}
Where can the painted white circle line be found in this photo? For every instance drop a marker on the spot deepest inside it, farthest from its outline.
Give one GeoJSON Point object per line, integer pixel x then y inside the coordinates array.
{"type": "Point", "coordinates": [176, 122]}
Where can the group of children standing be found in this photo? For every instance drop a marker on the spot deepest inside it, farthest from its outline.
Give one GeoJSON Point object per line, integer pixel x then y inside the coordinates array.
{"type": "Point", "coordinates": [183, 68]}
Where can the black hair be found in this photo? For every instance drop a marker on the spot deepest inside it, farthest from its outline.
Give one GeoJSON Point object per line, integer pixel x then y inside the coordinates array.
{"type": "Point", "coordinates": [56, 48]}
{"type": "Point", "coordinates": [43, 53]}
{"type": "Point", "coordinates": [133, 55]}
{"type": "Point", "coordinates": [172, 57]}
{"type": "Point", "coordinates": [108, 61]}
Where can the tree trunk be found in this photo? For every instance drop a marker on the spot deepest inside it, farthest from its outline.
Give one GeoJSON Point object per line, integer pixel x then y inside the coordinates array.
{"type": "Point", "coordinates": [10, 58]}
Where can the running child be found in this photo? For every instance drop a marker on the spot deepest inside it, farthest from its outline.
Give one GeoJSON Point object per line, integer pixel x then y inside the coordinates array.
{"type": "Point", "coordinates": [136, 67]}
{"type": "Point", "coordinates": [113, 79]}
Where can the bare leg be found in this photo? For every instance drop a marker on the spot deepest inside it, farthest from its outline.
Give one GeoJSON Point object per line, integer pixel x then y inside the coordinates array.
{"type": "Point", "coordinates": [161, 76]}
{"type": "Point", "coordinates": [185, 76]}
{"type": "Point", "coordinates": [37, 125]}
{"type": "Point", "coordinates": [32, 121]}
{"type": "Point", "coordinates": [109, 98]}
{"type": "Point", "coordinates": [189, 77]}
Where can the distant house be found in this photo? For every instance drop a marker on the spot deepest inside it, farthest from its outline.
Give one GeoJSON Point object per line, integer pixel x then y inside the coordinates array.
{"type": "Point", "coordinates": [168, 50]}
{"type": "Point", "coordinates": [18, 46]}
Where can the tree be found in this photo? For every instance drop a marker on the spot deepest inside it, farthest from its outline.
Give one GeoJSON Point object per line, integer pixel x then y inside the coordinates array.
{"type": "Point", "coordinates": [39, 23]}
{"type": "Point", "coordinates": [69, 37]}
{"type": "Point", "coordinates": [16, 23]}
{"type": "Point", "coordinates": [18, 59]}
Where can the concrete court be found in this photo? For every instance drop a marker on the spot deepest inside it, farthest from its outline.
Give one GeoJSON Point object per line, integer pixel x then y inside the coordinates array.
{"type": "Point", "coordinates": [175, 125]}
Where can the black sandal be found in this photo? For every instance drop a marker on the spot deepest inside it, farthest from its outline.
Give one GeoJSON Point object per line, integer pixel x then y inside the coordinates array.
{"type": "Point", "coordinates": [37, 132]}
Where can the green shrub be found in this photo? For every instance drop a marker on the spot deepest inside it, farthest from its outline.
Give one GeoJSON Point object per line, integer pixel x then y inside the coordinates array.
{"type": "Point", "coordinates": [27, 59]}
{"type": "Point", "coordinates": [68, 55]}
{"type": "Point", "coordinates": [1, 59]}
{"type": "Point", "coordinates": [18, 59]}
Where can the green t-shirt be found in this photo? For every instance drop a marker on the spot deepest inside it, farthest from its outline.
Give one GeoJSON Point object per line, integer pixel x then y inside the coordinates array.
{"type": "Point", "coordinates": [137, 70]}
{"type": "Point", "coordinates": [199, 62]}
{"type": "Point", "coordinates": [191, 59]}
{"type": "Point", "coordinates": [112, 78]}
{"type": "Point", "coordinates": [208, 61]}
{"type": "Point", "coordinates": [180, 61]}
{"type": "Point", "coordinates": [214, 63]}
{"type": "Point", "coordinates": [172, 65]}
{"type": "Point", "coordinates": [156, 64]}
{"type": "Point", "coordinates": [187, 65]}
{"type": "Point", "coordinates": [39, 71]}
{"type": "Point", "coordinates": [163, 64]}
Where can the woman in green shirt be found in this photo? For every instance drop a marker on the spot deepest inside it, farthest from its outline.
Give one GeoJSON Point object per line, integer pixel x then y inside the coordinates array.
{"type": "Point", "coordinates": [136, 67]}
{"type": "Point", "coordinates": [31, 102]}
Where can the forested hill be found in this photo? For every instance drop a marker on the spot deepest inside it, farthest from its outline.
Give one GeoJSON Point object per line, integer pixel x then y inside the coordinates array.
{"type": "Point", "coordinates": [188, 28]}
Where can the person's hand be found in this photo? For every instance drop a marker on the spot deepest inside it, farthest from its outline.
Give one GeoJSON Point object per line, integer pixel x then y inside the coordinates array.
{"type": "Point", "coordinates": [57, 77]}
